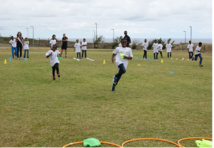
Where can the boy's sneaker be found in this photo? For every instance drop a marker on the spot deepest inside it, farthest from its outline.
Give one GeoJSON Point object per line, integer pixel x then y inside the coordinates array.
{"type": "Point", "coordinates": [113, 87]}
{"type": "Point", "coordinates": [58, 75]}
{"type": "Point", "coordinates": [53, 77]}
{"type": "Point", "coordinates": [201, 65]}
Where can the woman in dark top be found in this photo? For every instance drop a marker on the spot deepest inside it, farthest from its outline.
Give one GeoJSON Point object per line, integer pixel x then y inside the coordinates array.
{"type": "Point", "coordinates": [64, 45]}
{"type": "Point", "coordinates": [19, 41]}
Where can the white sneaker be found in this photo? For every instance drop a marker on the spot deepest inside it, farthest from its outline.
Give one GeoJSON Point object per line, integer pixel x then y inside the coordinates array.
{"type": "Point", "coordinates": [78, 59]}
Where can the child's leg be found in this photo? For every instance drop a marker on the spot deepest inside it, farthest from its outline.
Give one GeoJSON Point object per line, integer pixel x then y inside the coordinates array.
{"type": "Point", "coordinates": [57, 69]}
{"type": "Point", "coordinates": [200, 59]}
{"type": "Point", "coordinates": [154, 56]}
{"type": "Point", "coordinates": [170, 54]}
{"type": "Point", "coordinates": [82, 53]}
{"type": "Point", "coordinates": [189, 56]}
{"type": "Point", "coordinates": [12, 49]}
{"type": "Point", "coordinates": [16, 51]}
{"type": "Point", "coordinates": [122, 70]}
{"type": "Point", "coordinates": [24, 53]}
{"type": "Point", "coordinates": [85, 54]}
{"type": "Point", "coordinates": [53, 70]}
{"type": "Point", "coordinates": [161, 54]}
{"type": "Point", "coordinates": [77, 55]}
{"type": "Point", "coordinates": [146, 54]}
{"type": "Point", "coordinates": [27, 53]}
{"type": "Point", "coordinates": [157, 55]}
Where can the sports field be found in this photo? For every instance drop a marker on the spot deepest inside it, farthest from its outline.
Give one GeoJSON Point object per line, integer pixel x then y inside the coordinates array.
{"type": "Point", "coordinates": [149, 101]}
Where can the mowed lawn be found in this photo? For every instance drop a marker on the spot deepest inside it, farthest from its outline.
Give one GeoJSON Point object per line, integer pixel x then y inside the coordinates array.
{"type": "Point", "coordinates": [149, 101]}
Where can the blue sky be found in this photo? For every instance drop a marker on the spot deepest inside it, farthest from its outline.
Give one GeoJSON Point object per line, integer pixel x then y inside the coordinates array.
{"type": "Point", "coordinates": [77, 18]}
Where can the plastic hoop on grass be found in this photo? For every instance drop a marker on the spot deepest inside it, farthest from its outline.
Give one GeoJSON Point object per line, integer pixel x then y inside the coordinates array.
{"type": "Point", "coordinates": [191, 138]}
{"type": "Point", "coordinates": [108, 143]}
{"type": "Point", "coordinates": [156, 139]}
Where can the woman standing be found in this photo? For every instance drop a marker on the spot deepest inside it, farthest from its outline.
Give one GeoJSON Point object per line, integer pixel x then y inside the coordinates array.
{"type": "Point", "coordinates": [19, 41]}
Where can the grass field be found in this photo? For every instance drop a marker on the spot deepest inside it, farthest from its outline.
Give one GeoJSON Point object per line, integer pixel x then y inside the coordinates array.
{"type": "Point", "coordinates": [149, 101]}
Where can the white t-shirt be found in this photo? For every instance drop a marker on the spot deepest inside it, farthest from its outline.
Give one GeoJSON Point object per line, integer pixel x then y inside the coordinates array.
{"type": "Point", "coordinates": [126, 51]}
{"type": "Point", "coordinates": [190, 46]}
{"type": "Point", "coordinates": [145, 45]}
{"type": "Point", "coordinates": [52, 42]}
{"type": "Point", "coordinates": [160, 47]}
{"type": "Point", "coordinates": [155, 47]}
{"type": "Point", "coordinates": [53, 57]}
{"type": "Point", "coordinates": [77, 46]}
{"type": "Point", "coordinates": [168, 47]}
{"type": "Point", "coordinates": [26, 45]}
{"type": "Point", "coordinates": [197, 50]}
{"type": "Point", "coordinates": [13, 42]}
{"type": "Point", "coordinates": [84, 47]}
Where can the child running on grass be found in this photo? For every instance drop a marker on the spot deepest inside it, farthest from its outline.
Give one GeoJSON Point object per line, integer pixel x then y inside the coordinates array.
{"type": "Point", "coordinates": [123, 55]}
{"type": "Point", "coordinates": [77, 47]}
{"type": "Point", "coordinates": [53, 54]}
{"type": "Point", "coordinates": [198, 54]}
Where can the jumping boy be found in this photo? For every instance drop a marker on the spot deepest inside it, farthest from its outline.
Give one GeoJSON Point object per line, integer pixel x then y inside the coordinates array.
{"type": "Point", "coordinates": [123, 55]}
{"type": "Point", "coordinates": [198, 53]}
{"type": "Point", "coordinates": [145, 47]}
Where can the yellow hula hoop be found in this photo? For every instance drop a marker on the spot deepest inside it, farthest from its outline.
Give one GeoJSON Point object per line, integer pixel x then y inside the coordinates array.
{"type": "Point", "coordinates": [139, 139]}
{"type": "Point", "coordinates": [108, 143]}
{"type": "Point", "coordinates": [190, 138]}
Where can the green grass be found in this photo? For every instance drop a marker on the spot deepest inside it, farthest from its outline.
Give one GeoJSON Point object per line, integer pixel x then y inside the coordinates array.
{"type": "Point", "coordinates": [149, 101]}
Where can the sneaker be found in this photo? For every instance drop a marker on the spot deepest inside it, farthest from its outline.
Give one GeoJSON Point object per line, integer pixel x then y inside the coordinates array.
{"type": "Point", "coordinates": [53, 77]}
{"type": "Point", "coordinates": [77, 59]}
{"type": "Point", "coordinates": [58, 75]}
{"type": "Point", "coordinates": [201, 65]}
{"type": "Point", "coordinates": [113, 87]}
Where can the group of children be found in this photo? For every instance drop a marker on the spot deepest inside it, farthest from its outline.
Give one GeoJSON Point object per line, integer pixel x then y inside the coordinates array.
{"type": "Point", "coordinates": [77, 46]}
{"type": "Point", "coordinates": [17, 44]}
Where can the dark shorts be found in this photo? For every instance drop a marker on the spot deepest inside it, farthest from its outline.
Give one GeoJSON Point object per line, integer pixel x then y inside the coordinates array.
{"type": "Point", "coordinates": [64, 47]}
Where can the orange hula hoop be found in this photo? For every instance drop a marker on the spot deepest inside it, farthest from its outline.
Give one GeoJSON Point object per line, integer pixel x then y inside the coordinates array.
{"type": "Point", "coordinates": [108, 143]}
{"type": "Point", "coordinates": [190, 138]}
{"type": "Point", "coordinates": [139, 139]}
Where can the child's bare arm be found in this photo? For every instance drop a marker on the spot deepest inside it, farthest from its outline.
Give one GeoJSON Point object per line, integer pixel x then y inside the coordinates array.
{"type": "Point", "coordinates": [49, 55]}
{"type": "Point", "coordinates": [112, 58]}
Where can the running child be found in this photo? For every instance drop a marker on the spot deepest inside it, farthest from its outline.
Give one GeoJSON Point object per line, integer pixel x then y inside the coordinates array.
{"type": "Point", "coordinates": [160, 47]}
{"type": "Point", "coordinates": [169, 49]}
{"type": "Point", "coordinates": [77, 47]}
{"type": "Point", "coordinates": [26, 47]}
{"type": "Point", "coordinates": [155, 49]}
{"type": "Point", "coordinates": [145, 47]}
{"type": "Point", "coordinates": [190, 48]}
{"type": "Point", "coordinates": [198, 54]}
{"type": "Point", "coordinates": [53, 54]}
{"type": "Point", "coordinates": [84, 48]}
{"type": "Point", "coordinates": [123, 55]}
{"type": "Point", "coordinates": [53, 41]}
{"type": "Point", "coordinates": [64, 45]}
{"type": "Point", "coordinates": [13, 46]}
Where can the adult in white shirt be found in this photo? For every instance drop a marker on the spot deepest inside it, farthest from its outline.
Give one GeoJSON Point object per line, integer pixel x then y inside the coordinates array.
{"type": "Point", "coordinates": [54, 61]}
{"type": "Point", "coordinates": [84, 48]}
{"type": "Point", "coordinates": [77, 47]}
{"type": "Point", "coordinates": [190, 48]}
{"type": "Point", "coordinates": [160, 47]}
{"type": "Point", "coordinates": [198, 54]}
{"type": "Point", "coordinates": [155, 49]}
{"type": "Point", "coordinates": [169, 49]}
{"type": "Point", "coordinates": [13, 46]}
{"type": "Point", "coordinates": [26, 48]}
{"type": "Point", "coordinates": [123, 55]}
{"type": "Point", "coordinates": [145, 47]}
{"type": "Point", "coordinates": [53, 41]}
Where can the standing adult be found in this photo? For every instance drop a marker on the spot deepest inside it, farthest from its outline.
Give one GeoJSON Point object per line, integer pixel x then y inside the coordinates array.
{"type": "Point", "coordinates": [127, 38]}
{"type": "Point", "coordinates": [190, 48]}
{"type": "Point", "coordinates": [19, 41]}
{"type": "Point", "coordinates": [64, 45]}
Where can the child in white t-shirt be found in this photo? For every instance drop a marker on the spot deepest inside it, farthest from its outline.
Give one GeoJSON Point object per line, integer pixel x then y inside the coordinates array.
{"type": "Point", "coordinates": [26, 47]}
{"type": "Point", "coordinates": [13, 46]}
{"type": "Point", "coordinates": [84, 48]}
{"type": "Point", "coordinates": [77, 47]}
{"type": "Point", "coordinates": [123, 55]}
{"type": "Point", "coordinates": [198, 54]}
{"type": "Point", "coordinates": [190, 48]}
{"type": "Point", "coordinates": [54, 61]}
{"type": "Point", "coordinates": [155, 49]}
{"type": "Point", "coordinates": [169, 49]}
{"type": "Point", "coordinates": [145, 47]}
{"type": "Point", "coordinates": [53, 41]}
{"type": "Point", "coordinates": [160, 47]}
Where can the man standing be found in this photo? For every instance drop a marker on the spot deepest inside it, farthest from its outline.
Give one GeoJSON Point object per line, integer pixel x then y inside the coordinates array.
{"type": "Point", "coordinates": [127, 38]}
